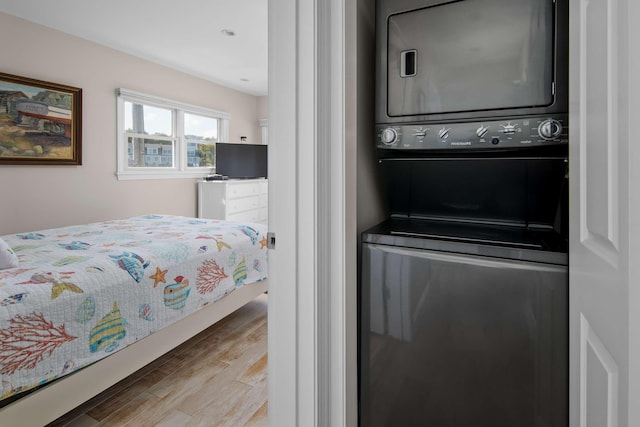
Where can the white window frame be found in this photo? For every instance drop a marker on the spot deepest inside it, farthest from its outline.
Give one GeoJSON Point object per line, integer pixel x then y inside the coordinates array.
{"type": "Point", "coordinates": [180, 168]}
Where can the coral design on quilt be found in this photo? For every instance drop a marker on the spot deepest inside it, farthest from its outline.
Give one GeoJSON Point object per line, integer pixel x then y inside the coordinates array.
{"type": "Point", "coordinates": [210, 274]}
{"type": "Point", "coordinates": [28, 340]}
{"type": "Point", "coordinates": [176, 253]}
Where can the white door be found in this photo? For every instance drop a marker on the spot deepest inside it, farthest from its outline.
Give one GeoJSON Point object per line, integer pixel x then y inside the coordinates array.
{"type": "Point", "coordinates": [602, 202]}
{"type": "Point", "coordinates": [294, 356]}
{"type": "Point", "coordinates": [283, 267]}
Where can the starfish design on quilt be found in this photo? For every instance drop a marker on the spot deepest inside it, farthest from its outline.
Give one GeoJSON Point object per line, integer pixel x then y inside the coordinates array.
{"type": "Point", "coordinates": [158, 277]}
{"type": "Point", "coordinates": [263, 242]}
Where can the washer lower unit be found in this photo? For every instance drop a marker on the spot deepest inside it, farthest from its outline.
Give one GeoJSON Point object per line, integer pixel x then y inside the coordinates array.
{"type": "Point", "coordinates": [464, 306]}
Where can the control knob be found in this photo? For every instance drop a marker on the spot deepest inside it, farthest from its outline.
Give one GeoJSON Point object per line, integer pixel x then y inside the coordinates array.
{"type": "Point", "coordinates": [444, 133]}
{"type": "Point", "coordinates": [388, 136]}
{"type": "Point", "coordinates": [550, 129]}
{"type": "Point", "coordinates": [482, 131]}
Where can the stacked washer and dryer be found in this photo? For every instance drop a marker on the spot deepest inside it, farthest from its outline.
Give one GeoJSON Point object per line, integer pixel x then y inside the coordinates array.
{"type": "Point", "coordinates": [463, 295]}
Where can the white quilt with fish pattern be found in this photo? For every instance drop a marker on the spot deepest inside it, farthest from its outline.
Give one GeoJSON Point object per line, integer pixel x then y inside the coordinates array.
{"type": "Point", "coordinates": [80, 293]}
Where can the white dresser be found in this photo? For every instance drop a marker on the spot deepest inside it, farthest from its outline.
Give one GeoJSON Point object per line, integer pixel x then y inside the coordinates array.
{"type": "Point", "coordinates": [234, 200]}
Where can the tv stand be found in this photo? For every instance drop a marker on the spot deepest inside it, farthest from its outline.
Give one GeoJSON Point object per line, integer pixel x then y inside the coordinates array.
{"type": "Point", "coordinates": [234, 200]}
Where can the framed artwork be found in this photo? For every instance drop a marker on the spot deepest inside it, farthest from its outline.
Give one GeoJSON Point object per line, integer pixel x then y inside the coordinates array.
{"type": "Point", "coordinates": [40, 122]}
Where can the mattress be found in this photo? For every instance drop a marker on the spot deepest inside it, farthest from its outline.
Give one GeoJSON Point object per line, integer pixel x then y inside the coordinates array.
{"type": "Point", "coordinates": [81, 293]}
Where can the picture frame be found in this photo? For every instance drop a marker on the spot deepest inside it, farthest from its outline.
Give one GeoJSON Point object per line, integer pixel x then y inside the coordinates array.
{"type": "Point", "coordinates": [40, 122]}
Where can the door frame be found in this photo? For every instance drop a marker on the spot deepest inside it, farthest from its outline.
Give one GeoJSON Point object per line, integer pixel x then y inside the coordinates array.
{"type": "Point", "coordinates": [313, 269]}
{"type": "Point", "coordinates": [633, 71]}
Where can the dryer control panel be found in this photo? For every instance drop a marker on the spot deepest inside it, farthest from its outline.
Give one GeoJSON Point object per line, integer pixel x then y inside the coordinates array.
{"type": "Point", "coordinates": [487, 134]}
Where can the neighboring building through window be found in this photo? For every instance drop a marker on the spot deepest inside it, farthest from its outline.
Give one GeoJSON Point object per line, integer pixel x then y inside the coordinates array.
{"type": "Point", "coordinates": [160, 138]}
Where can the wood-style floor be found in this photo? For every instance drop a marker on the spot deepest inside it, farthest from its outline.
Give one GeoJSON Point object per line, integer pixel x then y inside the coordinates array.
{"type": "Point", "coordinates": [218, 378]}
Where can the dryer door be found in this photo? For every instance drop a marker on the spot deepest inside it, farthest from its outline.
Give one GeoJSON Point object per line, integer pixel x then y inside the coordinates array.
{"type": "Point", "coordinates": [470, 56]}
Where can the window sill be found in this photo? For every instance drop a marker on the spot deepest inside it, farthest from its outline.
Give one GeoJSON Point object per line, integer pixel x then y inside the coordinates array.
{"type": "Point", "coordinates": [133, 175]}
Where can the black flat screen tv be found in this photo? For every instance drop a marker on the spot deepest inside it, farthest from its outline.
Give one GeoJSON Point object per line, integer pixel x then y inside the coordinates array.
{"type": "Point", "coordinates": [241, 161]}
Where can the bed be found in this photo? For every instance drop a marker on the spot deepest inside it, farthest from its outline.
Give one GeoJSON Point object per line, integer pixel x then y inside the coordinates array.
{"type": "Point", "coordinates": [83, 307]}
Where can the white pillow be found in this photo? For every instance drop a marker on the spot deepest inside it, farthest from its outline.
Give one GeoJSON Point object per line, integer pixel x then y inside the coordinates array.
{"type": "Point", "coordinates": [8, 258]}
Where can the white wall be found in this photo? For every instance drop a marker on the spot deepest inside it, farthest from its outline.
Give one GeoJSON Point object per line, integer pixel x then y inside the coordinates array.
{"type": "Point", "coordinates": [37, 197]}
{"type": "Point", "coordinates": [263, 107]}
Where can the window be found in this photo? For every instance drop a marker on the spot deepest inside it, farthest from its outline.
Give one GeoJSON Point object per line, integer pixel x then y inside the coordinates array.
{"type": "Point", "coordinates": [200, 135]}
{"type": "Point", "coordinates": [159, 138]}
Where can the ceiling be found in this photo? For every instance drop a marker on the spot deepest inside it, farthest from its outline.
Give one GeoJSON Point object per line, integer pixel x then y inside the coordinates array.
{"type": "Point", "coordinates": [185, 35]}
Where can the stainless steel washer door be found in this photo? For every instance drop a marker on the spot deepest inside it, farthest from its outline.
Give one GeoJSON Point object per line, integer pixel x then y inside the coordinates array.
{"type": "Point", "coordinates": [461, 340]}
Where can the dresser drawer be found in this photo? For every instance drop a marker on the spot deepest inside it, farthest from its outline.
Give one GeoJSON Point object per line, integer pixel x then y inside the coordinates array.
{"type": "Point", "coordinates": [264, 188]}
{"type": "Point", "coordinates": [263, 200]}
{"type": "Point", "coordinates": [237, 190]}
{"type": "Point", "coordinates": [264, 215]}
{"type": "Point", "coordinates": [234, 200]}
{"type": "Point", "coordinates": [244, 204]}
{"type": "Point", "coordinates": [246, 216]}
